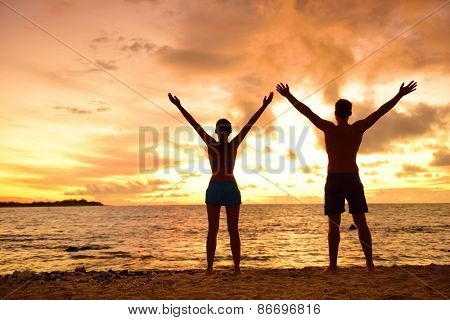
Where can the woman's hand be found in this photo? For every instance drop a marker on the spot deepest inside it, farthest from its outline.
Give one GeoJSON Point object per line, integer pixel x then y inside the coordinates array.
{"type": "Point", "coordinates": [267, 100]}
{"type": "Point", "coordinates": [174, 100]}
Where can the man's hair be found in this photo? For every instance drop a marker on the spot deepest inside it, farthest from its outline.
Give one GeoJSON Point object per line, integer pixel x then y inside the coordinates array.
{"type": "Point", "coordinates": [223, 126]}
{"type": "Point", "coordinates": [343, 108]}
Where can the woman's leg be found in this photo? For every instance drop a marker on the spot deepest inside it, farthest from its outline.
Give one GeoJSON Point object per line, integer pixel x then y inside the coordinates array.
{"type": "Point", "coordinates": [233, 230]}
{"type": "Point", "coordinates": [211, 240]}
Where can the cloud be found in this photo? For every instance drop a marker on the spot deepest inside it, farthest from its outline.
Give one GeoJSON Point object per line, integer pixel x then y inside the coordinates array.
{"type": "Point", "coordinates": [73, 110]}
{"type": "Point", "coordinates": [108, 65]}
{"type": "Point", "coordinates": [177, 195]}
{"type": "Point", "coordinates": [138, 44]}
{"type": "Point", "coordinates": [194, 60]}
{"type": "Point", "coordinates": [102, 39]}
{"type": "Point", "coordinates": [291, 155]}
{"type": "Point", "coordinates": [248, 186]}
{"type": "Point", "coordinates": [374, 164]}
{"type": "Point", "coordinates": [113, 188]}
{"type": "Point", "coordinates": [222, 55]}
{"type": "Point", "coordinates": [399, 127]}
{"type": "Point", "coordinates": [98, 158]}
{"type": "Point", "coordinates": [102, 109]}
{"type": "Point", "coordinates": [143, 1]}
{"type": "Point", "coordinates": [441, 158]}
{"type": "Point", "coordinates": [410, 170]}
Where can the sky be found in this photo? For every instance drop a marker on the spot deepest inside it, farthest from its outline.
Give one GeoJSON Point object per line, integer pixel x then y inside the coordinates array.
{"type": "Point", "coordinates": [84, 109]}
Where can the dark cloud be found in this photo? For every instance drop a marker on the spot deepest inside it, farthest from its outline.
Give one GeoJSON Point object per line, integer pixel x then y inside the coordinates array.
{"type": "Point", "coordinates": [177, 195]}
{"type": "Point", "coordinates": [371, 173]}
{"type": "Point", "coordinates": [410, 170]}
{"type": "Point", "coordinates": [441, 158]}
{"type": "Point", "coordinates": [291, 155]}
{"type": "Point", "coordinates": [137, 45]}
{"type": "Point", "coordinates": [374, 164]}
{"type": "Point", "coordinates": [305, 42]}
{"type": "Point", "coordinates": [102, 39]}
{"type": "Point", "coordinates": [267, 149]}
{"type": "Point", "coordinates": [142, 1]}
{"type": "Point", "coordinates": [108, 65]}
{"type": "Point", "coordinates": [103, 158]}
{"type": "Point", "coordinates": [399, 127]}
{"type": "Point", "coordinates": [73, 110]}
{"type": "Point", "coordinates": [102, 109]}
{"type": "Point", "coordinates": [248, 186]}
{"type": "Point", "coordinates": [113, 188]}
{"type": "Point", "coordinates": [193, 60]}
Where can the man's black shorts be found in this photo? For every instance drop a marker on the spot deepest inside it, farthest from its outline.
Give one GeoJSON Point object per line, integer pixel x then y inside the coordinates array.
{"type": "Point", "coordinates": [341, 186]}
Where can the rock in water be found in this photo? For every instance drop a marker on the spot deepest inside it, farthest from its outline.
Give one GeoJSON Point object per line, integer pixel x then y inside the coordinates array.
{"type": "Point", "coordinates": [80, 269]}
{"type": "Point", "coordinates": [23, 275]}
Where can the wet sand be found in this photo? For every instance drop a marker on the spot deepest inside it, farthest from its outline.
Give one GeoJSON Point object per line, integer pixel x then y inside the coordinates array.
{"type": "Point", "coordinates": [398, 282]}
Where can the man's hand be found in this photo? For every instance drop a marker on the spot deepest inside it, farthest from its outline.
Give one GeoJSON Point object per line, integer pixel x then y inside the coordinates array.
{"type": "Point", "coordinates": [283, 89]}
{"type": "Point", "coordinates": [268, 100]}
{"type": "Point", "coordinates": [403, 91]}
{"type": "Point", "coordinates": [174, 100]}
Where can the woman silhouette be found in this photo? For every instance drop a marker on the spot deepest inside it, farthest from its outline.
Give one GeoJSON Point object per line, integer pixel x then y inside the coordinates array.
{"type": "Point", "coordinates": [222, 189]}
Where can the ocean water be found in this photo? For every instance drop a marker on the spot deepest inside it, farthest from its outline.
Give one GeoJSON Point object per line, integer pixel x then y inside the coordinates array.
{"type": "Point", "coordinates": [173, 237]}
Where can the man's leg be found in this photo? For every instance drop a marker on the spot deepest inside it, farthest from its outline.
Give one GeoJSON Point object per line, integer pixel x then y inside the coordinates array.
{"type": "Point", "coordinates": [213, 229]}
{"type": "Point", "coordinates": [334, 237]}
{"type": "Point", "coordinates": [233, 230]}
{"type": "Point", "coordinates": [365, 238]}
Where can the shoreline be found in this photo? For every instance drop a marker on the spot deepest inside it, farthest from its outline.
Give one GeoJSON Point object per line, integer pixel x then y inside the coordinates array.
{"type": "Point", "coordinates": [396, 282]}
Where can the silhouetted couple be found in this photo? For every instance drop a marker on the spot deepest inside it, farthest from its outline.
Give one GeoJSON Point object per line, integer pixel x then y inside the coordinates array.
{"type": "Point", "coordinates": [342, 141]}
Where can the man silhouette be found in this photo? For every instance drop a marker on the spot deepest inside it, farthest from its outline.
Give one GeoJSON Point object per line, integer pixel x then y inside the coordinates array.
{"type": "Point", "coordinates": [342, 143]}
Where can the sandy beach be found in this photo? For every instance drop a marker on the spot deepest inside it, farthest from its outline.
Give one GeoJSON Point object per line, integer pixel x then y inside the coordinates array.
{"type": "Point", "coordinates": [398, 282]}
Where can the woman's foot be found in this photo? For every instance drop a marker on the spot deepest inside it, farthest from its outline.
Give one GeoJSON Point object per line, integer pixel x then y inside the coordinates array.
{"type": "Point", "coordinates": [238, 272]}
{"type": "Point", "coordinates": [209, 272]}
{"type": "Point", "coordinates": [371, 268]}
{"type": "Point", "coordinates": [330, 270]}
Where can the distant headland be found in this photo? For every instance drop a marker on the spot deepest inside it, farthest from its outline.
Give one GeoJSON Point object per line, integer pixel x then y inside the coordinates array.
{"type": "Point", "coordinates": [63, 203]}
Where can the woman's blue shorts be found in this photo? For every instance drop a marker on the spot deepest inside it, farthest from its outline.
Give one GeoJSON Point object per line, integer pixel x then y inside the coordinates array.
{"type": "Point", "coordinates": [224, 193]}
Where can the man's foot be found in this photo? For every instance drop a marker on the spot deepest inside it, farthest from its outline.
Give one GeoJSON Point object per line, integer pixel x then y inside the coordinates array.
{"type": "Point", "coordinates": [238, 272]}
{"type": "Point", "coordinates": [209, 272]}
{"type": "Point", "coordinates": [330, 270]}
{"type": "Point", "coordinates": [371, 268]}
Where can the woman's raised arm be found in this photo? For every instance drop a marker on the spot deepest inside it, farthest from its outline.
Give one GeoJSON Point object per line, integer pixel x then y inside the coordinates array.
{"type": "Point", "coordinates": [202, 133]}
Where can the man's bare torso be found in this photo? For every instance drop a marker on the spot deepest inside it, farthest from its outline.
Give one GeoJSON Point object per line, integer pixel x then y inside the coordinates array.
{"type": "Point", "coordinates": [342, 144]}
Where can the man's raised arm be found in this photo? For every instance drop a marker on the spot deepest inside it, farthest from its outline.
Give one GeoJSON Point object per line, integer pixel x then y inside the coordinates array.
{"type": "Point", "coordinates": [202, 133]}
{"type": "Point", "coordinates": [320, 123]}
{"type": "Point", "coordinates": [385, 108]}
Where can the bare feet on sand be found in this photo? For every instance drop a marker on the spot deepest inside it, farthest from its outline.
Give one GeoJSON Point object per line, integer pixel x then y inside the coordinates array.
{"type": "Point", "coordinates": [371, 268]}
{"type": "Point", "coordinates": [238, 272]}
{"type": "Point", "coordinates": [330, 270]}
{"type": "Point", "coordinates": [209, 272]}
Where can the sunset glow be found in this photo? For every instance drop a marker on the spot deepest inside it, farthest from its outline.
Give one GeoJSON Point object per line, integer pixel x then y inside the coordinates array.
{"type": "Point", "coordinates": [71, 107]}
